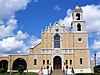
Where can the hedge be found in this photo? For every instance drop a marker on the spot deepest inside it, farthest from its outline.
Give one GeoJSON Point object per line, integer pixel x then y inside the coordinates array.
{"type": "Point", "coordinates": [88, 74]}
{"type": "Point", "coordinates": [24, 73]}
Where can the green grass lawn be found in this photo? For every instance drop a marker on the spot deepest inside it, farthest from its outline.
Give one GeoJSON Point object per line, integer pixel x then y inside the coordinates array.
{"type": "Point", "coordinates": [29, 73]}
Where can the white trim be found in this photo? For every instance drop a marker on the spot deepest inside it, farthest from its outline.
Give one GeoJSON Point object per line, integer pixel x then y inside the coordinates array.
{"type": "Point", "coordinates": [33, 71]}
{"type": "Point", "coordinates": [16, 70]}
{"type": "Point", "coordinates": [61, 56]}
{"type": "Point", "coordinates": [82, 70]}
{"type": "Point", "coordinates": [78, 40]}
{"type": "Point", "coordinates": [78, 71]}
{"type": "Point", "coordinates": [45, 71]}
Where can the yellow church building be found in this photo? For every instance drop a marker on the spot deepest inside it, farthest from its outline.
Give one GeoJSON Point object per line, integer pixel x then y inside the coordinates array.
{"type": "Point", "coordinates": [58, 49]}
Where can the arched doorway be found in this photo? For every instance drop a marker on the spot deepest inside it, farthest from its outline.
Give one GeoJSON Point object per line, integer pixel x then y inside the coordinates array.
{"type": "Point", "coordinates": [19, 62]}
{"type": "Point", "coordinates": [57, 62]}
{"type": "Point", "coordinates": [4, 65]}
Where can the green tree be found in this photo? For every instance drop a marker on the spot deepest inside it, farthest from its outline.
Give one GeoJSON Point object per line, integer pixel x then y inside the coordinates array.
{"type": "Point", "coordinates": [21, 69]}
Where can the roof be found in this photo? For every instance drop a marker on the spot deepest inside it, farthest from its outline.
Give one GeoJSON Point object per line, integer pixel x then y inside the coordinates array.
{"type": "Point", "coordinates": [77, 8]}
{"type": "Point", "coordinates": [36, 45]}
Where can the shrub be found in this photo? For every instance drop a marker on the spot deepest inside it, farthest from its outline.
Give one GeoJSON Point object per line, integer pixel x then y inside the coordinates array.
{"type": "Point", "coordinates": [20, 69]}
{"type": "Point", "coordinates": [88, 74]}
{"type": "Point", "coordinates": [2, 70]}
{"type": "Point", "coordinates": [24, 73]}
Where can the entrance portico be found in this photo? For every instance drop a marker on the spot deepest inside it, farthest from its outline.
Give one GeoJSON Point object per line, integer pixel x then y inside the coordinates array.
{"type": "Point", "coordinates": [57, 62]}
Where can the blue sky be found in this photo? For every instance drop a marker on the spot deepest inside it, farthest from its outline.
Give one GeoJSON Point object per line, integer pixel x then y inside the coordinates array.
{"type": "Point", "coordinates": [42, 12]}
{"type": "Point", "coordinates": [21, 22]}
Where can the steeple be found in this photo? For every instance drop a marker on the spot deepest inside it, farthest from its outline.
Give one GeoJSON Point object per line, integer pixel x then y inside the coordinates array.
{"type": "Point", "coordinates": [77, 8]}
{"type": "Point", "coordinates": [77, 13]}
{"type": "Point", "coordinates": [78, 24]}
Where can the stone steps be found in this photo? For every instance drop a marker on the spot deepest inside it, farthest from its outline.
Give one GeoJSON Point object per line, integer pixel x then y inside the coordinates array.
{"type": "Point", "coordinates": [57, 72]}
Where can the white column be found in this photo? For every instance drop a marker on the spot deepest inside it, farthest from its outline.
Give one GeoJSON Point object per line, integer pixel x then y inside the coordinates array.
{"type": "Point", "coordinates": [62, 61]}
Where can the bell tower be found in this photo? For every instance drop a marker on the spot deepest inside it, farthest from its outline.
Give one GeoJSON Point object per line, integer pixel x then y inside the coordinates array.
{"type": "Point", "coordinates": [78, 24]}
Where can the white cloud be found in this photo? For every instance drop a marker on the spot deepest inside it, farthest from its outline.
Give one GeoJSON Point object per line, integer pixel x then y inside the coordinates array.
{"type": "Point", "coordinates": [7, 29]}
{"type": "Point", "coordinates": [20, 35]}
{"type": "Point", "coordinates": [9, 7]}
{"type": "Point", "coordinates": [92, 17]}
{"type": "Point", "coordinates": [67, 20]}
{"type": "Point", "coordinates": [96, 45]}
{"type": "Point", "coordinates": [98, 54]}
{"type": "Point", "coordinates": [98, 58]}
{"type": "Point", "coordinates": [10, 43]}
{"type": "Point", "coordinates": [57, 7]}
{"type": "Point", "coordinates": [32, 41]}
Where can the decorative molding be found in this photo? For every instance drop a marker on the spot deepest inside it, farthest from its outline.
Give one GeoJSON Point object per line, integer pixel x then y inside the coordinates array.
{"type": "Point", "coordinates": [54, 51]}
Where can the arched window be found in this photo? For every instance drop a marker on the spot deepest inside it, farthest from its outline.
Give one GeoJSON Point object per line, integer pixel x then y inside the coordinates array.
{"type": "Point", "coordinates": [57, 41]}
{"type": "Point", "coordinates": [78, 27]}
{"type": "Point", "coordinates": [78, 16]}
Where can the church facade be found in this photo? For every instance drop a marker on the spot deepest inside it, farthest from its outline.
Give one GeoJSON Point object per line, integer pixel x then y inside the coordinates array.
{"type": "Point", "coordinates": [58, 49]}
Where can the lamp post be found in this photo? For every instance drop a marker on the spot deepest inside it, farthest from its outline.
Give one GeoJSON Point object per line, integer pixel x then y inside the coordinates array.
{"type": "Point", "coordinates": [95, 58]}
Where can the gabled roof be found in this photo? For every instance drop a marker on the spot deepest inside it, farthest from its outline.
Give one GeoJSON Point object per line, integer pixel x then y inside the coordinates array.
{"type": "Point", "coordinates": [35, 45]}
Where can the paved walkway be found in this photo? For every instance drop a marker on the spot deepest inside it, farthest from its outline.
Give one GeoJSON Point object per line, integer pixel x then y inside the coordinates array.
{"type": "Point", "coordinates": [57, 72]}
